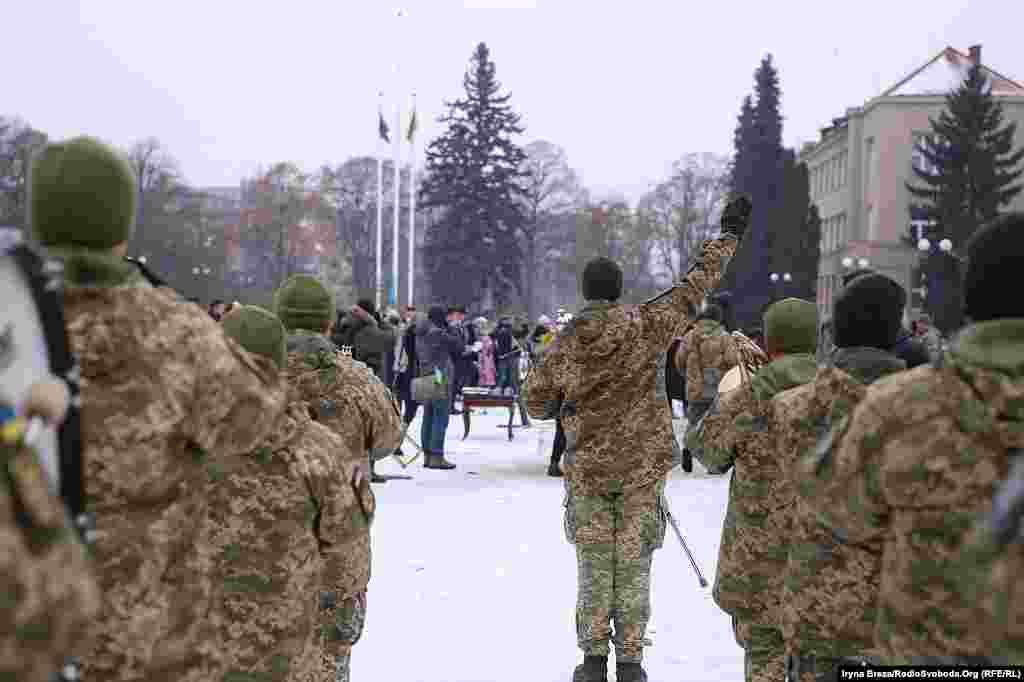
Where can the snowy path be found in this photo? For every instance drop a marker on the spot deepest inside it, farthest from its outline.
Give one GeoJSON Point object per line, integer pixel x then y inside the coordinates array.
{"type": "Point", "coordinates": [473, 580]}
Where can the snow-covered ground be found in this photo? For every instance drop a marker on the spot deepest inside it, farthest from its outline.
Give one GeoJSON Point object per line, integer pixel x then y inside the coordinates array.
{"type": "Point", "coordinates": [473, 580]}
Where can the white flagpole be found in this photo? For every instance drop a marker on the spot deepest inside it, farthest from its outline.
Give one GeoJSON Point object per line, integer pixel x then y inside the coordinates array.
{"type": "Point", "coordinates": [412, 203]}
{"type": "Point", "coordinates": [380, 211]}
{"type": "Point", "coordinates": [398, 201]}
{"type": "Point", "coordinates": [398, 159]}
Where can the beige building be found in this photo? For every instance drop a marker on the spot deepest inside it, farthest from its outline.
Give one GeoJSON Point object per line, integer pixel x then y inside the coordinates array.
{"type": "Point", "coordinates": [860, 165]}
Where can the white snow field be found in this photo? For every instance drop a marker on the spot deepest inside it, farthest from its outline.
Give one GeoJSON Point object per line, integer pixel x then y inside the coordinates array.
{"type": "Point", "coordinates": [473, 580]}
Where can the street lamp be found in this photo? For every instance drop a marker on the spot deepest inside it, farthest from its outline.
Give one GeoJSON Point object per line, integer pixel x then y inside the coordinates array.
{"type": "Point", "coordinates": [785, 277]}
{"type": "Point", "coordinates": [940, 276]}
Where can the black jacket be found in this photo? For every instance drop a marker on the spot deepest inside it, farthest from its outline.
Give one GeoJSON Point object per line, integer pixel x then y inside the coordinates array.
{"type": "Point", "coordinates": [910, 350]}
{"type": "Point", "coordinates": [44, 280]}
{"type": "Point", "coordinates": [369, 341]}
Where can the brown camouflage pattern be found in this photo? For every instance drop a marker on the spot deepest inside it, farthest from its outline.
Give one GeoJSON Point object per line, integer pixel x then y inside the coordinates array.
{"type": "Point", "coordinates": [615, 537]}
{"type": "Point", "coordinates": [739, 432]}
{"type": "Point", "coordinates": [764, 657]}
{"type": "Point", "coordinates": [830, 588]}
{"type": "Point", "coordinates": [912, 467]}
{"type": "Point", "coordinates": [271, 510]}
{"type": "Point", "coordinates": [161, 387]}
{"type": "Point", "coordinates": [603, 369]}
{"type": "Point", "coordinates": [50, 593]}
{"type": "Point", "coordinates": [349, 400]}
{"type": "Point", "coordinates": [346, 396]}
{"type": "Point", "coordinates": [992, 594]}
{"type": "Point", "coordinates": [706, 353]}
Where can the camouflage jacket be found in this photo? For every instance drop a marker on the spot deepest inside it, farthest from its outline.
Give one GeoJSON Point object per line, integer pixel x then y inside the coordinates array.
{"type": "Point", "coordinates": [987, 570]}
{"type": "Point", "coordinates": [50, 594]}
{"type": "Point", "coordinates": [344, 394]}
{"type": "Point", "coordinates": [738, 431]}
{"type": "Point", "coordinates": [706, 353]}
{"type": "Point", "coordinates": [829, 590]}
{"type": "Point", "coordinates": [161, 386]}
{"type": "Point", "coordinates": [911, 467]}
{"type": "Point", "coordinates": [602, 370]}
{"type": "Point", "coordinates": [271, 512]}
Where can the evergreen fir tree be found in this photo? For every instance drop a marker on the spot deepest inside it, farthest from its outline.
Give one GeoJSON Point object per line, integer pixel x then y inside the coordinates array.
{"type": "Point", "coordinates": [472, 175]}
{"type": "Point", "coordinates": [972, 168]}
{"type": "Point", "coordinates": [975, 166]}
{"type": "Point", "coordinates": [759, 172]}
{"type": "Point", "coordinates": [795, 247]}
{"type": "Point", "coordinates": [742, 143]}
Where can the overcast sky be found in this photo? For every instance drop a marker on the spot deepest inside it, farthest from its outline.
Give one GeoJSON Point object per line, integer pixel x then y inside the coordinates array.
{"type": "Point", "coordinates": [624, 86]}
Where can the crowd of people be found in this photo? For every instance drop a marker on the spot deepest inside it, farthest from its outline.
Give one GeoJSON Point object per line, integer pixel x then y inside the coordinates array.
{"type": "Point", "coordinates": [186, 491]}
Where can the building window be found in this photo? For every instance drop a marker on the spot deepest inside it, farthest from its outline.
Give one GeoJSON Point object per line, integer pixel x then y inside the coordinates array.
{"type": "Point", "coordinates": [917, 158]}
{"type": "Point", "coordinates": [869, 160]}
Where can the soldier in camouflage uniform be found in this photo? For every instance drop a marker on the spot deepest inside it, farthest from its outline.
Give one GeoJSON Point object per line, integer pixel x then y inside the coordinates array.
{"type": "Point", "coordinates": [601, 376]}
{"type": "Point", "coordinates": [348, 398]}
{"type": "Point", "coordinates": [273, 512]}
{"type": "Point", "coordinates": [828, 598]}
{"type": "Point", "coordinates": [921, 456]}
{"type": "Point", "coordinates": [160, 387]}
{"type": "Point", "coordinates": [738, 432]}
{"type": "Point", "coordinates": [705, 354]}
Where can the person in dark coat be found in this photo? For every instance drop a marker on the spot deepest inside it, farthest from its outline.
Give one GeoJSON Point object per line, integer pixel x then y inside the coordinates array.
{"type": "Point", "coordinates": [404, 375]}
{"type": "Point", "coordinates": [436, 343]}
{"type": "Point", "coordinates": [369, 337]}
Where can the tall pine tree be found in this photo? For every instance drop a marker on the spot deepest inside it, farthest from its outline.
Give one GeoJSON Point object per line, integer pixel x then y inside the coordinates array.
{"type": "Point", "coordinates": [758, 171]}
{"type": "Point", "coordinates": [796, 231]}
{"type": "Point", "coordinates": [473, 174]}
{"type": "Point", "coordinates": [969, 175]}
{"type": "Point", "coordinates": [743, 152]}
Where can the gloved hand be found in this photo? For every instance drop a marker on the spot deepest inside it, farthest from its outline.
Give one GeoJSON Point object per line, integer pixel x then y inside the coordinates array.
{"type": "Point", "coordinates": [736, 216]}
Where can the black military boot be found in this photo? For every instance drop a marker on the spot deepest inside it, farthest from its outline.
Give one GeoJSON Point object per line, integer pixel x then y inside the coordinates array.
{"type": "Point", "coordinates": [630, 672]}
{"type": "Point", "coordinates": [687, 462]}
{"type": "Point", "coordinates": [436, 460]}
{"type": "Point", "coordinates": [592, 669]}
{"type": "Point", "coordinates": [374, 476]}
{"type": "Point", "coordinates": [554, 469]}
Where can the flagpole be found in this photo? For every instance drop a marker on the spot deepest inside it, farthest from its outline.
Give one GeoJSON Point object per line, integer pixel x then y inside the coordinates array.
{"type": "Point", "coordinates": [412, 201]}
{"type": "Point", "coordinates": [398, 189]}
{"type": "Point", "coordinates": [393, 295]}
{"type": "Point", "coordinates": [380, 212]}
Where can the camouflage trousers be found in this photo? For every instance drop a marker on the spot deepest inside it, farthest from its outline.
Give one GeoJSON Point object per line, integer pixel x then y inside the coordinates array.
{"type": "Point", "coordinates": [615, 537]}
{"type": "Point", "coordinates": [764, 658]}
{"type": "Point", "coordinates": [340, 627]}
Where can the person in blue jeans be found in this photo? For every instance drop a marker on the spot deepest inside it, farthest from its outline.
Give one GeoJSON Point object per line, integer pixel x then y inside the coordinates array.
{"type": "Point", "coordinates": [436, 343]}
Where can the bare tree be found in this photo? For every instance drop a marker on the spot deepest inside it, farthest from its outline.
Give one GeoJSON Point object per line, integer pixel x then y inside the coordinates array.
{"type": "Point", "coordinates": [18, 143]}
{"type": "Point", "coordinates": [157, 176]}
{"type": "Point", "coordinates": [351, 188]}
{"type": "Point", "coordinates": [683, 208]}
{"type": "Point", "coordinates": [550, 189]}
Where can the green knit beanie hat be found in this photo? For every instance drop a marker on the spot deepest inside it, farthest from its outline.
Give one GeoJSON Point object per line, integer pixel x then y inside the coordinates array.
{"type": "Point", "coordinates": [258, 331]}
{"type": "Point", "coordinates": [791, 326]}
{"type": "Point", "coordinates": [302, 302]}
{"type": "Point", "coordinates": [81, 194]}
